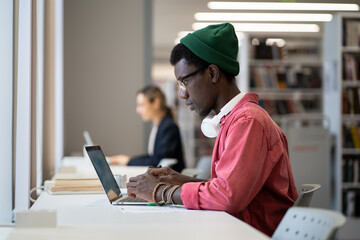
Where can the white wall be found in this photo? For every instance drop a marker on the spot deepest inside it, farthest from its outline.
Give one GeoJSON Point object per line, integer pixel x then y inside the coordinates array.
{"type": "Point", "coordinates": [105, 63]}
{"type": "Point", "coordinates": [6, 90]}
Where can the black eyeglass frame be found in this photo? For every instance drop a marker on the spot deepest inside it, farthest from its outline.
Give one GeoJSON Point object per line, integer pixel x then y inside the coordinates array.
{"type": "Point", "coordinates": [182, 82]}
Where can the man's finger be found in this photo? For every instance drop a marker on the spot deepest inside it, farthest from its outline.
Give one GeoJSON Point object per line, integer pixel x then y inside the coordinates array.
{"type": "Point", "coordinates": [134, 179]}
{"type": "Point", "coordinates": [131, 184]}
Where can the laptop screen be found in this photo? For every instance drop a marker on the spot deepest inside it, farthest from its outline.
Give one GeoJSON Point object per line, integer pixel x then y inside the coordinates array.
{"type": "Point", "coordinates": [103, 171]}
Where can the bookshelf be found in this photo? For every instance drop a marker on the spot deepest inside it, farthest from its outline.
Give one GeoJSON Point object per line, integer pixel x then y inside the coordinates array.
{"type": "Point", "coordinates": [286, 71]}
{"type": "Point", "coordinates": [341, 103]}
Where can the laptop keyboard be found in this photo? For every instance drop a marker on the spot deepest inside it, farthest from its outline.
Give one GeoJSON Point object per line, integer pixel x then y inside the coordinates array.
{"type": "Point", "coordinates": [129, 199]}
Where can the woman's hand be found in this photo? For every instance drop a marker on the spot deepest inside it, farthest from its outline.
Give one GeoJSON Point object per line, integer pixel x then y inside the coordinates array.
{"type": "Point", "coordinates": [119, 159]}
{"type": "Point", "coordinates": [142, 186]}
{"type": "Point", "coordinates": [170, 176]}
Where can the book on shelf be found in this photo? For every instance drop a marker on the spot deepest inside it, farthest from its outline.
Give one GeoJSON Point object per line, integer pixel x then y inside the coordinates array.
{"type": "Point", "coordinates": [347, 138]}
{"type": "Point", "coordinates": [266, 51]}
{"type": "Point", "coordinates": [281, 107]}
{"type": "Point", "coordinates": [351, 101]}
{"type": "Point", "coordinates": [281, 78]}
{"type": "Point", "coordinates": [354, 131]}
{"type": "Point", "coordinates": [351, 189]}
{"type": "Point", "coordinates": [356, 171]}
{"type": "Point", "coordinates": [351, 33]}
{"type": "Point", "coordinates": [351, 203]}
{"type": "Point", "coordinates": [269, 106]}
{"type": "Point", "coordinates": [351, 67]}
{"type": "Point", "coordinates": [290, 106]}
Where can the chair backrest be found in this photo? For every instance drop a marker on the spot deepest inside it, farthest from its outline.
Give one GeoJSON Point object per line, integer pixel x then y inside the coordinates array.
{"type": "Point", "coordinates": [204, 164]}
{"type": "Point", "coordinates": [306, 194]}
{"type": "Point", "coordinates": [191, 172]}
{"type": "Point", "coordinates": [301, 223]}
{"type": "Point", "coordinates": [202, 169]}
{"type": "Point", "coordinates": [167, 162]}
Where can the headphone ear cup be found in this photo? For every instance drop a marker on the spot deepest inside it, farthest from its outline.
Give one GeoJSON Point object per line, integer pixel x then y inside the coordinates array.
{"type": "Point", "coordinates": [210, 127]}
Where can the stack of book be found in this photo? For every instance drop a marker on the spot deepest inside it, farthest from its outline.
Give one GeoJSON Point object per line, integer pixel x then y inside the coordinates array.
{"type": "Point", "coordinates": [70, 184]}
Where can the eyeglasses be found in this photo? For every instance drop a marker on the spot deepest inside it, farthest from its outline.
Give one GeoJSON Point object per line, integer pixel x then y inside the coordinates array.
{"type": "Point", "coordinates": [183, 82]}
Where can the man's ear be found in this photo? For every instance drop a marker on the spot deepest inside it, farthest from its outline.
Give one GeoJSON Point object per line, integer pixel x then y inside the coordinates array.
{"type": "Point", "coordinates": [214, 73]}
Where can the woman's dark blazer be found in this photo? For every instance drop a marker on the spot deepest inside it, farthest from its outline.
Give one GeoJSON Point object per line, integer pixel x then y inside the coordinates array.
{"type": "Point", "coordinates": [167, 145]}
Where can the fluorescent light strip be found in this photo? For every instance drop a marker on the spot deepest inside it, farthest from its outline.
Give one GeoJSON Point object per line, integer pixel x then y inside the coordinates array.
{"type": "Point", "coordinates": [283, 6]}
{"type": "Point", "coordinates": [262, 17]}
{"type": "Point", "coordinates": [266, 27]}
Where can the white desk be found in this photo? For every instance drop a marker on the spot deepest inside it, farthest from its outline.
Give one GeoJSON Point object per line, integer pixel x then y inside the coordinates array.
{"type": "Point", "coordinates": [92, 217]}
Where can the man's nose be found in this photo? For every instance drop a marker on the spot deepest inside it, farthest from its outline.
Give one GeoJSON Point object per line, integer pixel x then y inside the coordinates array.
{"type": "Point", "coordinates": [183, 93]}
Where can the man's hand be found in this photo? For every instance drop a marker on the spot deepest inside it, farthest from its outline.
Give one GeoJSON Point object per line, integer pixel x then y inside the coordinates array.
{"type": "Point", "coordinates": [170, 176]}
{"type": "Point", "coordinates": [142, 185]}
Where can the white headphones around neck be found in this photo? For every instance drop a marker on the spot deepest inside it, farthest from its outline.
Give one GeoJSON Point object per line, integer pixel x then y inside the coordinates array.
{"type": "Point", "coordinates": [210, 126]}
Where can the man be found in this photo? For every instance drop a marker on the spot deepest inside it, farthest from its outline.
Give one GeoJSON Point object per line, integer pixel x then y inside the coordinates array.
{"type": "Point", "coordinates": [251, 176]}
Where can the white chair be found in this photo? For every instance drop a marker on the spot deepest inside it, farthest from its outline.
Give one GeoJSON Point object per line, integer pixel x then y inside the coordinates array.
{"type": "Point", "coordinates": [302, 223]}
{"type": "Point", "coordinates": [204, 165]}
{"type": "Point", "coordinates": [202, 170]}
{"type": "Point", "coordinates": [192, 172]}
{"type": "Point", "coordinates": [306, 194]}
{"type": "Point", "coordinates": [167, 162]}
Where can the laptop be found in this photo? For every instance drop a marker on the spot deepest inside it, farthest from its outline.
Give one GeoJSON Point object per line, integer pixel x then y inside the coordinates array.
{"type": "Point", "coordinates": [107, 179]}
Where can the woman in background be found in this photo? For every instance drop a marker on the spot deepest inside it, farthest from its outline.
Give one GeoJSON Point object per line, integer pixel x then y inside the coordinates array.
{"type": "Point", "coordinates": [164, 139]}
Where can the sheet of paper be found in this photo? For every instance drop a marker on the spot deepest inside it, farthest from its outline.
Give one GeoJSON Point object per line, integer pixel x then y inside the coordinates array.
{"type": "Point", "coordinates": [149, 209]}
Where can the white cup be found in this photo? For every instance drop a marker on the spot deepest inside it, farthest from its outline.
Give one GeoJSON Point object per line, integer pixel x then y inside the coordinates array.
{"type": "Point", "coordinates": [120, 180]}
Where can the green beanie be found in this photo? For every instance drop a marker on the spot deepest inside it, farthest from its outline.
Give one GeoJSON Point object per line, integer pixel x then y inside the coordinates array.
{"type": "Point", "coordinates": [216, 44]}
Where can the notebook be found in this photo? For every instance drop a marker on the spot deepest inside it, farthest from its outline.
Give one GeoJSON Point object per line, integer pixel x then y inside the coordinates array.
{"type": "Point", "coordinates": [107, 179]}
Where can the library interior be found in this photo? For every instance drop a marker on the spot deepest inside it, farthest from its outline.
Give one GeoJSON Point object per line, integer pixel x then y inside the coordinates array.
{"type": "Point", "coordinates": [72, 73]}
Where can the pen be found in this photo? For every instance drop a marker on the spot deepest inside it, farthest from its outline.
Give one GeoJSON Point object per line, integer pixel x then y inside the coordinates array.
{"type": "Point", "coordinates": [154, 204]}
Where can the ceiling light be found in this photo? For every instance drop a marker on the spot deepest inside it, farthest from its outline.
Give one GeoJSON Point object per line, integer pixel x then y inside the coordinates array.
{"type": "Point", "coordinates": [266, 27]}
{"type": "Point", "coordinates": [283, 6]}
{"type": "Point", "coordinates": [261, 17]}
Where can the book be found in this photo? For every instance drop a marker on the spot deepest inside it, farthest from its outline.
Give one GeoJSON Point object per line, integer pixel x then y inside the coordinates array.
{"type": "Point", "coordinates": [350, 204]}
{"type": "Point", "coordinates": [55, 188]}
{"type": "Point", "coordinates": [355, 136]}
{"type": "Point", "coordinates": [356, 174]}
{"type": "Point", "coordinates": [60, 190]}
{"type": "Point", "coordinates": [77, 182]}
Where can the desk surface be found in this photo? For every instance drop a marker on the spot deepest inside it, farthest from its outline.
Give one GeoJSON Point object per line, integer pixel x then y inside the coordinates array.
{"type": "Point", "coordinates": [92, 217]}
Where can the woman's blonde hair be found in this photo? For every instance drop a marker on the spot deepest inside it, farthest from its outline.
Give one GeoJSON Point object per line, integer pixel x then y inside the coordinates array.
{"type": "Point", "coordinates": [152, 92]}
